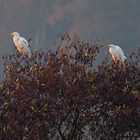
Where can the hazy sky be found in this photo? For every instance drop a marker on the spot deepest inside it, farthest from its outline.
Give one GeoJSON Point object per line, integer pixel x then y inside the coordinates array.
{"type": "Point", "coordinates": [111, 21]}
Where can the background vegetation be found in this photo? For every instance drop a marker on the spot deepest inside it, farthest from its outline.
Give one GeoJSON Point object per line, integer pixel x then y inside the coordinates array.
{"type": "Point", "coordinates": [60, 95]}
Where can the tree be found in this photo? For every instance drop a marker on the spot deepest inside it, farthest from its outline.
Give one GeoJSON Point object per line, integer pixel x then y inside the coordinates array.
{"type": "Point", "coordinates": [61, 95]}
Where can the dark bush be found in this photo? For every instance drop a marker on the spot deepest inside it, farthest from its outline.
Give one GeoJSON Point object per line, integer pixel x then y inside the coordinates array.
{"type": "Point", "coordinates": [59, 95]}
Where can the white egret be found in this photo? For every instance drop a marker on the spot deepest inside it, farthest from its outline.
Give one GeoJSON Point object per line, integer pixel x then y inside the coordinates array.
{"type": "Point", "coordinates": [117, 54]}
{"type": "Point", "coordinates": [21, 44]}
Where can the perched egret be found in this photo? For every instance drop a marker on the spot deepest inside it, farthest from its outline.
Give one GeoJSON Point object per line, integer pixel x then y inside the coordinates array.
{"type": "Point", "coordinates": [116, 53]}
{"type": "Point", "coordinates": [21, 44]}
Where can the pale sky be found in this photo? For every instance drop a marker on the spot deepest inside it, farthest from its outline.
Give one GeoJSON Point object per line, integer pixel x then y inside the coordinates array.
{"type": "Point", "coordinates": [111, 21]}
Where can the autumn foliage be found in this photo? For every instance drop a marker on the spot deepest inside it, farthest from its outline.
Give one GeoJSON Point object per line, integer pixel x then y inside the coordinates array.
{"type": "Point", "coordinates": [60, 95]}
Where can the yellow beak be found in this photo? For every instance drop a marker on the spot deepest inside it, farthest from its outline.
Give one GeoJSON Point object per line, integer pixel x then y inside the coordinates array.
{"type": "Point", "coordinates": [8, 34]}
{"type": "Point", "coordinates": [107, 46]}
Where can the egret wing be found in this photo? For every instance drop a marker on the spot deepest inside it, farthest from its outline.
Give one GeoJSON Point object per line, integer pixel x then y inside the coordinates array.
{"type": "Point", "coordinates": [23, 42]}
{"type": "Point", "coordinates": [119, 51]}
{"type": "Point", "coordinates": [24, 47]}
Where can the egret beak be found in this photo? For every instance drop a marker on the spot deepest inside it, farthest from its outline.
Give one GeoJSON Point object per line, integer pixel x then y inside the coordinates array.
{"type": "Point", "coordinates": [10, 34]}
{"type": "Point", "coordinates": [107, 46]}
{"type": "Point", "coordinates": [7, 34]}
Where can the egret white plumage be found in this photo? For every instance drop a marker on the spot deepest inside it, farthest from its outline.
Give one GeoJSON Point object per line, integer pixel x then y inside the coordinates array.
{"type": "Point", "coordinates": [117, 53]}
{"type": "Point", "coordinates": [21, 44]}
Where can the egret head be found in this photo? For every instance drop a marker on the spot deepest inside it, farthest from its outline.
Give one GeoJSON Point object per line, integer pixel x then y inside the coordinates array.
{"type": "Point", "coordinates": [15, 34]}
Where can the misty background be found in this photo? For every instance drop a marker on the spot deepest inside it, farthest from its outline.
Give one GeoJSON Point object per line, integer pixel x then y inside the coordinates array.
{"type": "Point", "coordinates": [111, 21]}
